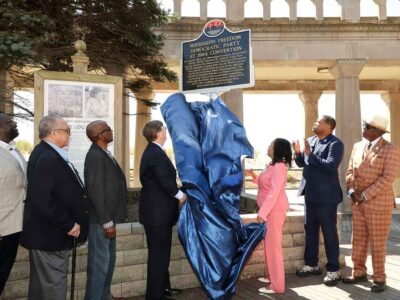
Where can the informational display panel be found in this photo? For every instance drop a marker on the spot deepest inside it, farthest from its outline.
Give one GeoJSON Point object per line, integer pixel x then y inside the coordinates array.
{"type": "Point", "coordinates": [217, 60]}
{"type": "Point", "coordinates": [80, 99]}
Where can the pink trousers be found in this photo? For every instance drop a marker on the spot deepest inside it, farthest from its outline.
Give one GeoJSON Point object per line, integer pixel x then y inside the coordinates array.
{"type": "Point", "coordinates": [273, 250]}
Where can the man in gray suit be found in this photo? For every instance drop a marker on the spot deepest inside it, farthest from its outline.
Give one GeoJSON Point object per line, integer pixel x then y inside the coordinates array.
{"type": "Point", "coordinates": [12, 190]}
{"type": "Point", "coordinates": [106, 186]}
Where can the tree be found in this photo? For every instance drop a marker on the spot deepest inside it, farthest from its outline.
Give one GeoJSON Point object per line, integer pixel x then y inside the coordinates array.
{"type": "Point", "coordinates": [120, 37]}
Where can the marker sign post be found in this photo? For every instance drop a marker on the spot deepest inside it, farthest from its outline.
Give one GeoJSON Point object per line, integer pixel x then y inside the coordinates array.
{"type": "Point", "coordinates": [218, 60]}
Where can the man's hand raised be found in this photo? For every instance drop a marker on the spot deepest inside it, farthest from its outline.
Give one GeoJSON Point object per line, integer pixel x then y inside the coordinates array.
{"type": "Point", "coordinates": [296, 147]}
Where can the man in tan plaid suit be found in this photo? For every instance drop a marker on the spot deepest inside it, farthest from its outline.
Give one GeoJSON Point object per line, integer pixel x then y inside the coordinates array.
{"type": "Point", "coordinates": [374, 164]}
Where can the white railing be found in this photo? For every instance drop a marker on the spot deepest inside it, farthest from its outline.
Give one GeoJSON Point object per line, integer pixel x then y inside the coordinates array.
{"type": "Point", "coordinates": [237, 10]}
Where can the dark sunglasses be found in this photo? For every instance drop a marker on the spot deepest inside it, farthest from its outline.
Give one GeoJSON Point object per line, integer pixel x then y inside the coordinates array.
{"type": "Point", "coordinates": [108, 129]}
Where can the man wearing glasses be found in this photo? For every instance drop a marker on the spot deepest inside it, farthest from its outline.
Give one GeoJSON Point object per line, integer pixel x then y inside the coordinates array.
{"type": "Point", "coordinates": [373, 166]}
{"type": "Point", "coordinates": [106, 187]}
{"type": "Point", "coordinates": [56, 211]}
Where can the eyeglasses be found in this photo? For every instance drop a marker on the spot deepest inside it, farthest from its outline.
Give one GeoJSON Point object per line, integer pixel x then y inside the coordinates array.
{"type": "Point", "coordinates": [108, 129]}
{"type": "Point", "coordinates": [67, 130]}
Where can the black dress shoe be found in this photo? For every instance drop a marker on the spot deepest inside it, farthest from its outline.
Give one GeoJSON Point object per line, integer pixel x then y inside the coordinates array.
{"type": "Point", "coordinates": [170, 292]}
{"type": "Point", "coordinates": [378, 286]}
{"type": "Point", "coordinates": [355, 279]}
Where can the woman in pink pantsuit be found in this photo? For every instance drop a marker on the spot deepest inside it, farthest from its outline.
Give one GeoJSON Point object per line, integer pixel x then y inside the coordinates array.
{"type": "Point", "coordinates": [273, 205]}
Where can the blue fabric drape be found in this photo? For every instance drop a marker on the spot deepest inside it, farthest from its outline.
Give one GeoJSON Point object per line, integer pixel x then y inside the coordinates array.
{"type": "Point", "coordinates": [208, 143]}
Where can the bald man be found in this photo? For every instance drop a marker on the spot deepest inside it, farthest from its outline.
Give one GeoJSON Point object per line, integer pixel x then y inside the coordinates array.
{"type": "Point", "coordinates": [106, 186]}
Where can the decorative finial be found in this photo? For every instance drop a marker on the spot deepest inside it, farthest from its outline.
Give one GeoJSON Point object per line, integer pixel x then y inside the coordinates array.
{"type": "Point", "coordinates": [80, 46]}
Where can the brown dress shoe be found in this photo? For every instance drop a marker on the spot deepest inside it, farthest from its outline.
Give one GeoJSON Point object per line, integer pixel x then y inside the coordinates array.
{"type": "Point", "coordinates": [355, 279]}
{"type": "Point", "coordinates": [378, 286]}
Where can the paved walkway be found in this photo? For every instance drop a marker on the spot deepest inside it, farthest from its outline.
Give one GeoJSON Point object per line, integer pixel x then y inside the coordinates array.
{"type": "Point", "coordinates": [312, 288]}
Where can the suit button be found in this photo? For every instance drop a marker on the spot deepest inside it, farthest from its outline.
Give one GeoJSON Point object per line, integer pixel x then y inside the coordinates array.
{"type": "Point", "coordinates": [84, 196]}
{"type": "Point", "coordinates": [86, 211]}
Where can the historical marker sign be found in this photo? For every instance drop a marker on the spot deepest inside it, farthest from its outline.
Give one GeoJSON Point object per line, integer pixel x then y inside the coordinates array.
{"type": "Point", "coordinates": [217, 60]}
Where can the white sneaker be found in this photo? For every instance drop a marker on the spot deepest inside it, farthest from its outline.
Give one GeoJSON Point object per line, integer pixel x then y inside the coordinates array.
{"type": "Point", "coordinates": [332, 278]}
{"type": "Point", "coordinates": [264, 280]}
{"type": "Point", "coordinates": [264, 290]}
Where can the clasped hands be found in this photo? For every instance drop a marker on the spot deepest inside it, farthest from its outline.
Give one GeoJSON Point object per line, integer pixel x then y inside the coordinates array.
{"type": "Point", "coordinates": [357, 198]}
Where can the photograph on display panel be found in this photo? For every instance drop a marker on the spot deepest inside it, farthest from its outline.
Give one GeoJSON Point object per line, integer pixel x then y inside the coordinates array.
{"type": "Point", "coordinates": [65, 100]}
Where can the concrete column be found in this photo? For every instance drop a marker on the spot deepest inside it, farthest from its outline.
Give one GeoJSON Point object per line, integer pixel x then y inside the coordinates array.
{"type": "Point", "coordinates": [178, 8]}
{"type": "Point", "coordinates": [310, 102]}
{"type": "Point", "coordinates": [79, 60]}
{"type": "Point", "coordinates": [143, 115]}
{"type": "Point", "coordinates": [382, 9]}
{"type": "Point", "coordinates": [319, 9]}
{"type": "Point", "coordinates": [125, 159]}
{"type": "Point", "coordinates": [292, 9]}
{"type": "Point", "coordinates": [392, 100]}
{"type": "Point", "coordinates": [350, 10]}
{"type": "Point", "coordinates": [6, 92]}
{"type": "Point", "coordinates": [266, 9]}
{"type": "Point", "coordinates": [348, 111]}
{"type": "Point", "coordinates": [203, 9]}
{"type": "Point", "coordinates": [234, 100]}
{"type": "Point", "coordinates": [234, 10]}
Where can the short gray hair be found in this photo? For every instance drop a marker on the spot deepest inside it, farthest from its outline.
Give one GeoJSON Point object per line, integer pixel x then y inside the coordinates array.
{"type": "Point", "coordinates": [47, 124]}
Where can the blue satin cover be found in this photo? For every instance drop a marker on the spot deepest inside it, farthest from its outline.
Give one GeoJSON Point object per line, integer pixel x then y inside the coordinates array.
{"type": "Point", "coordinates": [208, 142]}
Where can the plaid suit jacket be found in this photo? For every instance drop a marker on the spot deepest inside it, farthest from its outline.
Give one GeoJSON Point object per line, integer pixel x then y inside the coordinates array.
{"type": "Point", "coordinates": [374, 174]}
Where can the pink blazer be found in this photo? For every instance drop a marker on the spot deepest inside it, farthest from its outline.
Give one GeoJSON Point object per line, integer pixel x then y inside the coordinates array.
{"type": "Point", "coordinates": [271, 195]}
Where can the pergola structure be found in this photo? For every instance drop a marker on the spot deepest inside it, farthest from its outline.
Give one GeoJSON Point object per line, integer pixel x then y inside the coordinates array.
{"type": "Point", "coordinates": [307, 56]}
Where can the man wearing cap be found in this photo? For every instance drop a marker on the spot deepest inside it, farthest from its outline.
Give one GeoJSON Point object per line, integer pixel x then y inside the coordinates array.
{"type": "Point", "coordinates": [373, 166]}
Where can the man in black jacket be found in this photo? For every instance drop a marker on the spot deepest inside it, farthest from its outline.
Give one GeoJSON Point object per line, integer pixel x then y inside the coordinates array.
{"type": "Point", "coordinates": [56, 211]}
{"type": "Point", "coordinates": [159, 203]}
{"type": "Point", "coordinates": [106, 187]}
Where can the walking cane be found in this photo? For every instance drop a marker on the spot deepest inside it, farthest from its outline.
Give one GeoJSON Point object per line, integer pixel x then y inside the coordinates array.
{"type": "Point", "coordinates": [73, 270]}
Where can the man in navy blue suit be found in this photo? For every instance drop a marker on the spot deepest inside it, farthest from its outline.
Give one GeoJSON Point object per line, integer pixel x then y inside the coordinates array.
{"type": "Point", "coordinates": [320, 186]}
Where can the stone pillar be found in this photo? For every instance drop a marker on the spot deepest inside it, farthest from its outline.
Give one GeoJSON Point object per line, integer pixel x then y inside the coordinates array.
{"type": "Point", "coordinates": [203, 9]}
{"type": "Point", "coordinates": [234, 100]}
{"type": "Point", "coordinates": [392, 100]}
{"type": "Point", "coordinates": [319, 9]}
{"type": "Point", "coordinates": [79, 59]}
{"type": "Point", "coordinates": [310, 102]}
{"type": "Point", "coordinates": [143, 115]}
{"type": "Point", "coordinates": [348, 111]}
{"type": "Point", "coordinates": [234, 10]}
{"type": "Point", "coordinates": [6, 92]}
{"type": "Point", "coordinates": [266, 9]}
{"type": "Point", "coordinates": [292, 9]}
{"type": "Point", "coordinates": [350, 10]}
{"type": "Point", "coordinates": [125, 159]}
{"type": "Point", "coordinates": [178, 8]}
{"type": "Point", "coordinates": [382, 9]}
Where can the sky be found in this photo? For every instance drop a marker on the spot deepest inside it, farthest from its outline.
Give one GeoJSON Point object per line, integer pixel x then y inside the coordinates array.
{"type": "Point", "coordinates": [284, 113]}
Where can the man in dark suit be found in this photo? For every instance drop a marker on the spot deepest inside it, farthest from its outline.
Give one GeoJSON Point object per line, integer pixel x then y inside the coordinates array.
{"type": "Point", "coordinates": [56, 211]}
{"type": "Point", "coordinates": [159, 203]}
{"type": "Point", "coordinates": [106, 188]}
{"type": "Point", "coordinates": [320, 186]}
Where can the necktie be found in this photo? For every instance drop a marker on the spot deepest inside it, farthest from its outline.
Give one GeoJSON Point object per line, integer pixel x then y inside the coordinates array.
{"type": "Point", "coordinates": [366, 150]}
